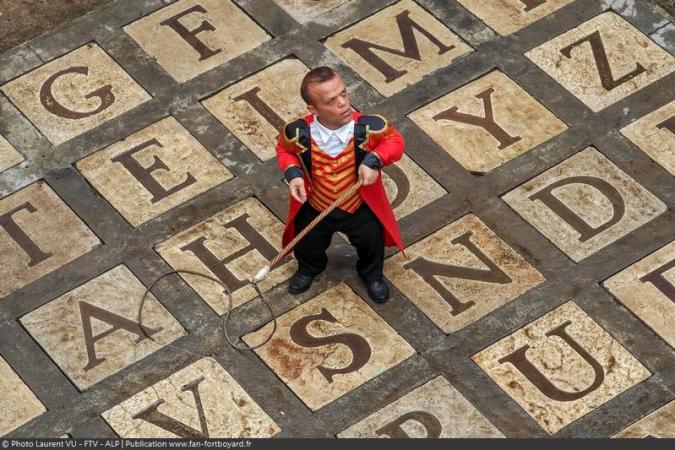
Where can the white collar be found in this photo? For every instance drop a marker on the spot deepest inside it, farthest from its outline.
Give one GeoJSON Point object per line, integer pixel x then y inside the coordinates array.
{"type": "Point", "coordinates": [344, 133]}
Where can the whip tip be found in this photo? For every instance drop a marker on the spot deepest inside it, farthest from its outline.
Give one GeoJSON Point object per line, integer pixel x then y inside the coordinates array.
{"type": "Point", "coordinates": [262, 273]}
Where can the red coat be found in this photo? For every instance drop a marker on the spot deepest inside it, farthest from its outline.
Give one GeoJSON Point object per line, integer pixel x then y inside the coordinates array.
{"type": "Point", "coordinates": [388, 146]}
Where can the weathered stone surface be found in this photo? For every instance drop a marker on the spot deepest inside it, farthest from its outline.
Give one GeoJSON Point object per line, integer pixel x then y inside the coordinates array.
{"type": "Point", "coordinates": [153, 171]}
{"type": "Point", "coordinates": [508, 16]}
{"type": "Point", "coordinates": [659, 424]}
{"type": "Point", "coordinates": [408, 187]}
{"type": "Point", "coordinates": [19, 404]}
{"type": "Point", "coordinates": [256, 108]}
{"type": "Point", "coordinates": [306, 10]}
{"type": "Point", "coordinates": [487, 122]}
{"type": "Point", "coordinates": [561, 366]}
{"type": "Point", "coordinates": [584, 203]}
{"type": "Point", "coordinates": [647, 288]}
{"type": "Point", "coordinates": [39, 234]}
{"type": "Point", "coordinates": [227, 70]}
{"type": "Point", "coordinates": [199, 401]}
{"type": "Point", "coordinates": [603, 60]}
{"type": "Point", "coordinates": [75, 93]}
{"type": "Point", "coordinates": [654, 134]}
{"type": "Point", "coordinates": [8, 155]}
{"type": "Point", "coordinates": [460, 273]}
{"type": "Point", "coordinates": [93, 331]}
{"type": "Point", "coordinates": [189, 37]}
{"type": "Point", "coordinates": [405, 62]}
{"type": "Point", "coordinates": [329, 346]}
{"type": "Point", "coordinates": [232, 246]}
{"type": "Point", "coordinates": [434, 410]}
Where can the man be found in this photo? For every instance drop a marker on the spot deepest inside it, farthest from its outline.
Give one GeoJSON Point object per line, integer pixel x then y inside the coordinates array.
{"type": "Point", "coordinates": [321, 155]}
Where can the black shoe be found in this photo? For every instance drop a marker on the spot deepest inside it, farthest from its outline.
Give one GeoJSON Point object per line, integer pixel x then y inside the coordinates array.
{"type": "Point", "coordinates": [299, 283]}
{"type": "Point", "coordinates": [378, 291]}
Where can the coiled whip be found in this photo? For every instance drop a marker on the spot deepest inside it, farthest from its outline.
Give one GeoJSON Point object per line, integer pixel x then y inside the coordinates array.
{"type": "Point", "coordinates": [260, 276]}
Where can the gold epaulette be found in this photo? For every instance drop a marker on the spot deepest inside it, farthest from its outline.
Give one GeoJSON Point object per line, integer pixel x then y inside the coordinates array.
{"type": "Point", "coordinates": [371, 128]}
{"type": "Point", "coordinates": [295, 134]}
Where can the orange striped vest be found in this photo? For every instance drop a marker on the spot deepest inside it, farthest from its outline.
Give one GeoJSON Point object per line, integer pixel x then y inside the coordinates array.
{"type": "Point", "coordinates": [331, 176]}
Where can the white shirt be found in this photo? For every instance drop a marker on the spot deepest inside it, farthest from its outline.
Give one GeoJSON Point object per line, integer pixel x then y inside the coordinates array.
{"type": "Point", "coordinates": [330, 141]}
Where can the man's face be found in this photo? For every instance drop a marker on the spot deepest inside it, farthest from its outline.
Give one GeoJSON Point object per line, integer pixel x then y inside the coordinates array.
{"type": "Point", "coordinates": [330, 102]}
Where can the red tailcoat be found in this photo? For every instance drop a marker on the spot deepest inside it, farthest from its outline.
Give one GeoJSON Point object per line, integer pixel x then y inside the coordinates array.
{"type": "Point", "coordinates": [387, 145]}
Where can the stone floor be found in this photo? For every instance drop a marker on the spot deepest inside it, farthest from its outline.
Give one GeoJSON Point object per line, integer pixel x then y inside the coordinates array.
{"type": "Point", "coordinates": [537, 293]}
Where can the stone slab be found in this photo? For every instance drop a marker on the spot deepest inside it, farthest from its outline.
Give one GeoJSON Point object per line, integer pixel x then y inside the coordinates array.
{"type": "Point", "coordinates": [603, 60]}
{"type": "Point", "coordinates": [409, 187]}
{"type": "Point", "coordinates": [487, 122]}
{"type": "Point", "coordinates": [93, 331]}
{"type": "Point", "coordinates": [190, 37]}
{"type": "Point", "coordinates": [9, 157]}
{"type": "Point", "coordinates": [647, 289]}
{"type": "Point", "coordinates": [434, 410]}
{"type": "Point", "coordinates": [256, 108]}
{"type": "Point", "coordinates": [153, 171]}
{"type": "Point", "coordinates": [460, 273]}
{"type": "Point", "coordinates": [659, 424]}
{"type": "Point", "coordinates": [75, 93]}
{"type": "Point", "coordinates": [400, 59]}
{"type": "Point", "coordinates": [561, 367]}
{"type": "Point", "coordinates": [306, 10]}
{"type": "Point", "coordinates": [329, 346]}
{"type": "Point", "coordinates": [584, 203]}
{"type": "Point", "coordinates": [654, 134]}
{"type": "Point", "coordinates": [39, 233]}
{"type": "Point", "coordinates": [509, 16]}
{"type": "Point", "coordinates": [665, 36]}
{"type": "Point", "coordinates": [18, 403]}
{"type": "Point", "coordinates": [17, 61]}
{"type": "Point", "coordinates": [232, 246]}
{"type": "Point", "coordinates": [200, 401]}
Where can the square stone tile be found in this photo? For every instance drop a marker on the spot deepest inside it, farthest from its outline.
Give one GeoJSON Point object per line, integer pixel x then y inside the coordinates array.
{"type": "Point", "coordinates": [89, 350]}
{"type": "Point", "coordinates": [509, 16]}
{"type": "Point", "coordinates": [584, 203]}
{"type": "Point", "coordinates": [190, 37]}
{"type": "Point", "coordinates": [603, 60]}
{"type": "Point", "coordinates": [38, 234]}
{"type": "Point", "coordinates": [659, 424]}
{"type": "Point", "coordinates": [397, 47]}
{"type": "Point", "coordinates": [256, 108]}
{"type": "Point", "coordinates": [306, 10]}
{"type": "Point", "coordinates": [487, 122]}
{"type": "Point", "coordinates": [200, 401]}
{"type": "Point", "coordinates": [75, 93]}
{"type": "Point", "coordinates": [153, 170]}
{"type": "Point", "coordinates": [18, 403]}
{"type": "Point", "coordinates": [9, 157]}
{"type": "Point", "coordinates": [435, 410]}
{"type": "Point", "coordinates": [647, 288]}
{"type": "Point", "coordinates": [233, 246]}
{"type": "Point", "coordinates": [409, 187]}
{"type": "Point", "coordinates": [654, 134]}
{"type": "Point", "coordinates": [329, 346]}
{"type": "Point", "coordinates": [561, 367]}
{"type": "Point", "coordinates": [460, 273]}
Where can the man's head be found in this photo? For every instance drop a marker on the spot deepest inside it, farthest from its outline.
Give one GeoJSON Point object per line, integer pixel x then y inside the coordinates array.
{"type": "Point", "coordinates": [326, 96]}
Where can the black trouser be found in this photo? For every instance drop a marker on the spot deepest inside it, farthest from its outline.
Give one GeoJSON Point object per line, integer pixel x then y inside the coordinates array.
{"type": "Point", "coordinates": [362, 228]}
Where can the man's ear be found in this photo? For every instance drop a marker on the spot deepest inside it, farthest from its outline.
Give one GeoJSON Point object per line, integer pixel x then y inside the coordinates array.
{"type": "Point", "coordinates": [312, 109]}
